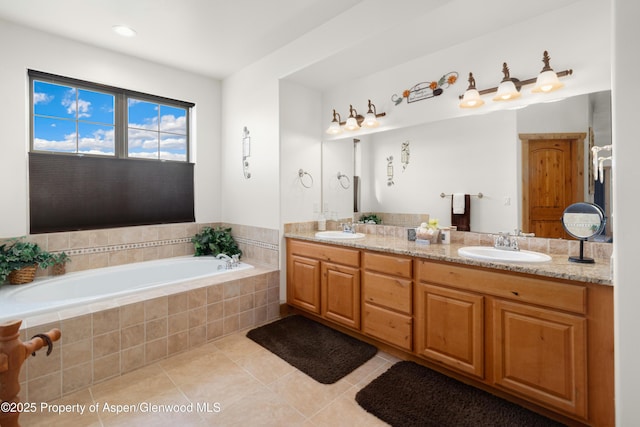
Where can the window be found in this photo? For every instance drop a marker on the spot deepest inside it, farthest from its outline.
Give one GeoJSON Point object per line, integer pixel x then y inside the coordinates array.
{"type": "Point", "coordinates": [156, 131]}
{"type": "Point", "coordinates": [77, 117]}
{"type": "Point", "coordinates": [104, 157]}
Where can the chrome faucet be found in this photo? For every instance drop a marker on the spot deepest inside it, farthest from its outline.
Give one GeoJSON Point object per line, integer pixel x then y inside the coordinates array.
{"type": "Point", "coordinates": [347, 227]}
{"type": "Point", "coordinates": [509, 241]}
{"type": "Point", "coordinates": [231, 262]}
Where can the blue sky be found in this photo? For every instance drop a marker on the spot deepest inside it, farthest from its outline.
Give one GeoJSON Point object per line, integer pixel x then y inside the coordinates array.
{"type": "Point", "coordinates": [57, 108]}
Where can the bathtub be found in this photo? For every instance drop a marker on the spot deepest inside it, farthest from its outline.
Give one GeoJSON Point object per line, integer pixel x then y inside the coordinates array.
{"type": "Point", "coordinates": [86, 287]}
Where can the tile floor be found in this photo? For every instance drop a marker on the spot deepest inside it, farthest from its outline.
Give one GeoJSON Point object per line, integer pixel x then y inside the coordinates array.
{"type": "Point", "coordinates": [229, 382]}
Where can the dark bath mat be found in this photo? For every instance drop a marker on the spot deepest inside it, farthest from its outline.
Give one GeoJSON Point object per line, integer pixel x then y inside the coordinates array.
{"type": "Point", "coordinates": [324, 354]}
{"type": "Point", "coordinates": [409, 394]}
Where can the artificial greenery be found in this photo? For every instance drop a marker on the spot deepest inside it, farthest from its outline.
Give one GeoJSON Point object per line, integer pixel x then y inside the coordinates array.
{"type": "Point", "coordinates": [214, 241]}
{"type": "Point", "coordinates": [19, 253]}
{"type": "Point", "coordinates": [369, 218]}
{"type": "Point", "coordinates": [59, 258]}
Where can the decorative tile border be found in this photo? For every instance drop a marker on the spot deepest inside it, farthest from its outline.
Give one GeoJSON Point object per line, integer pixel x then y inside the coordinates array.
{"type": "Point", "coordinates": [116, 248]}
{"type": "Point", "coordinates": [257, 243]}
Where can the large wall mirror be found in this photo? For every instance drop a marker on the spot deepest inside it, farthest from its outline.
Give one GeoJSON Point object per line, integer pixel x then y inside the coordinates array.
{"type": "Point", "coordinates": [479, 153]}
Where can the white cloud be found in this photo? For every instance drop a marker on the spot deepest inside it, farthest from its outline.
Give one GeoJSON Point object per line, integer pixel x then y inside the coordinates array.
{"type": "Point", "coordinates": [69, 101]}
{"type": "Point", "coordinates": [42, 98]}
{"type": "Point", "coordinates": [169, 123]}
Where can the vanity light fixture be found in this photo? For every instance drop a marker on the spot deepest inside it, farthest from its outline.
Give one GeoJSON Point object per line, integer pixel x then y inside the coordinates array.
{"type": "Point", "coordinates": [355, 120]}
{"type": "Point", "coordinates": [509, 87]}
{"type": "Point", "coordinates": [334, 127]}
{"type": "Point", "coordinates": [371, 118]}
{"type": "Point", "coordinates": [547, 80]}
{"type": "Point", "coordinates": [352, 121]}
{"type": "Point", "coordinates": [471, 97]}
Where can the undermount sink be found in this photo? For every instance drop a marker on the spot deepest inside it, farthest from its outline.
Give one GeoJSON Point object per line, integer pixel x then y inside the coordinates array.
{"type": "Point", "coordinates": [338, 235]}
{"type": "Point", "coordinates": [488, 253]}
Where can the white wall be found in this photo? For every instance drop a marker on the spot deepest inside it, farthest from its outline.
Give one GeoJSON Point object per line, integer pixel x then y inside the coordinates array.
{"type": "Point", "coordinates": [626, 176]}
{"type": "Point", "coordinates": [29, 49]}
{"type": "Point", "coordinates": [300, 148]}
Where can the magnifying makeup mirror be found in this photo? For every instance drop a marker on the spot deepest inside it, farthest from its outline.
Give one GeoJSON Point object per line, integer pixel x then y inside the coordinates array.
{"type": "Point", "coordinates": [582, 221]}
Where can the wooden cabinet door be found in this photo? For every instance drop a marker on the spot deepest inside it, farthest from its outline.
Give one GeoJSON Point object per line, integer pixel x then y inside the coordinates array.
{"type": "Point", "coordinates": [449, 327]}
{"type": "Point", "coordinates": [541, 354]}
{"type": "Point", "coordinates": [341, 294]}
{"type": "Point", "coordinates": [303, 283]}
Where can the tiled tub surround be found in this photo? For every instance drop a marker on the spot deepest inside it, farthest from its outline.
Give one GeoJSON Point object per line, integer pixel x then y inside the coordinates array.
{"type": "Point", "coordinates": [103, 248]}
{"type": "Point", "coordinates": [105, 340]}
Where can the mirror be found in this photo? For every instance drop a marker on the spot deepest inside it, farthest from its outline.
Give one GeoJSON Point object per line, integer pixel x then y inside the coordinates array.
{"type": "Point", "coordinates": [583, 221]}
{"type": "Point", "coordinates": [479, 153]}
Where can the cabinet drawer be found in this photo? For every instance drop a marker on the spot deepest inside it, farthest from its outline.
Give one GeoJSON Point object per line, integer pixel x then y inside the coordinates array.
{"type": "Point", "coordinates": [388, 326]}
{"type": "Point", "coordinates": [322, 252]}
{"type": "Point", "coordinates": [386, 291]}
{"type": "Point", "coordinates": [564, 296]}
{"type": "Point", "coordinates": [389, 264]}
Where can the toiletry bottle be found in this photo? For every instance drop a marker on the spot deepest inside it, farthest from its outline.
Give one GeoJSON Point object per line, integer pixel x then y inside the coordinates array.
{"type": "Point", "coordinates": [322, 223]}
{"type": "Point", "coordinates": [445, 236]}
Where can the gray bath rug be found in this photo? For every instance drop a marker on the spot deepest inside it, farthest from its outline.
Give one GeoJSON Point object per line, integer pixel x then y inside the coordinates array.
{"type": "Point", "coordinates": [322, 353]}
{"type": "Point", "coordinates": [409, 394]}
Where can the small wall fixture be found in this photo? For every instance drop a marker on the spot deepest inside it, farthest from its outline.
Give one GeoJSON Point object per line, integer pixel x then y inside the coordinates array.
{"type": "Point", "coordinates": [509, 87]}
{"type": "Point", "coordinates": [246, 152]}
{"type": "Point", "coordinates": [355, 120]}
{"type": "Point", "coordinates": [390, 171]}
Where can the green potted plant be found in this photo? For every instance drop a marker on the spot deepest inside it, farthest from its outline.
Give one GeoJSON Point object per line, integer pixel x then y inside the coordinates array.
{"type": "Point", "coordinates": [214, 241]}
{"type": "Point", "coordinates": [58, 262]}
{"type": "Point", "coordinates": [22, 259]}
{"type": "Point", "coordinates": [4, 268]}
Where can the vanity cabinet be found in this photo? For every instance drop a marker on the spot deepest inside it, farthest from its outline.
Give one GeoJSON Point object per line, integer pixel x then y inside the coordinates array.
{"type": "Point", "coordinates": [535, 331]}
{"type": "Point", "coordinates": [450, 327]}
{"type": "Point", "coordinates": [541, 353]}
{"type": "Point", "coordinates": [537, 339]}
{"type": "Point", "coordinates": [387, 298]}
{"type": "Point", "coordinates": [324, 280]}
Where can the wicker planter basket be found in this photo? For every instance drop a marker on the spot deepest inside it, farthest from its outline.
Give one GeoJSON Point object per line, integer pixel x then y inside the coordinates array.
{"type": "Point", "coordinates": [23, 275]}
{"type": "Point", "coordinates": [58, 269]}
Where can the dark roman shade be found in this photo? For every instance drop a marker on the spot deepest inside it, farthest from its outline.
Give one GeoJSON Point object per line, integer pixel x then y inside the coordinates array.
{"type": "Point", "coordinates": [81, 193]}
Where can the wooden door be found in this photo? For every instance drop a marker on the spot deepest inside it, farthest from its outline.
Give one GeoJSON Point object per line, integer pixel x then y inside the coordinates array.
{"type": "Point", "coordinates": [450, 327]}
{"type": "Point", "coordinates": [541, 354]}
{"type": "Point", "coordinates": [553, 178]}
{"type": "Point", "coordinates": [341, 294]}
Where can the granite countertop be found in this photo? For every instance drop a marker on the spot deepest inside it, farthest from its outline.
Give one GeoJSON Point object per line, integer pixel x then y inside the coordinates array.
{"type": "Point", "coordinates": [559, 267]}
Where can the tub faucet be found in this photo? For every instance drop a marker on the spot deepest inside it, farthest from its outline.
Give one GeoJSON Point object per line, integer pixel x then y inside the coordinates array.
{"type": "Point", "coordinates": [228, 260]}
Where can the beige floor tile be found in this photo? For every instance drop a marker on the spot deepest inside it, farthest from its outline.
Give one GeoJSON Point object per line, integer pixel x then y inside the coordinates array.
{"type": "Point", "coordinates": [136, 386]}
{"type": "Point", "coordinates": [262, 407]}
{"type": "Point", "coordinates": [225, 387]}
{"type": "Point", "coordinates": [365, 370]}
{"type": "Point", "coordinates": [47, 418]}
{"type": "Point", "coordinates": [167, 408]}
{"type": "Point", "coordinates": [265, 366]}
{"type": "Point", "coordinates": [237, 345]}
{"type": "Point", "coordinates": [306, 394]}
{"type": "Point", "coordinates": [345, 412]}
{"type": "Point", "coordinates": [204, 368]}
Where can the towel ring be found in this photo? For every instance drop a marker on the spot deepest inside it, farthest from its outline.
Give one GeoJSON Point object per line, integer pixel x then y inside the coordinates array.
{"type": "Point", "coordinates": [344, 180]}
{"type": "Point", "coordinates": [301, 175]}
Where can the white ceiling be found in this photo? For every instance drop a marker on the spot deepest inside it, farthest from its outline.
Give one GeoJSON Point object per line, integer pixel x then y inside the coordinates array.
{"type": "Point", "coordinates": [219, 37]}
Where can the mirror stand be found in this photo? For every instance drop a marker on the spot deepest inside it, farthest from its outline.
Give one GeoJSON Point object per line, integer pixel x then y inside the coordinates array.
{"type": "Point", "coordinates": [582, 221]}
{"type": "Point", "coordinates": [581, 259]}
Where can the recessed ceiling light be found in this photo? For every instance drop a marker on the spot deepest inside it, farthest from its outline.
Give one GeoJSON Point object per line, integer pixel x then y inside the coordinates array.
{"type": "Point", "coordinates": [124, 31]}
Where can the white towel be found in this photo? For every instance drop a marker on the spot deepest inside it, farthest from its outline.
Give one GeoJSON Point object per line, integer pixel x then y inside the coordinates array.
{"type": "Point", "coordinates": [457, 203]}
